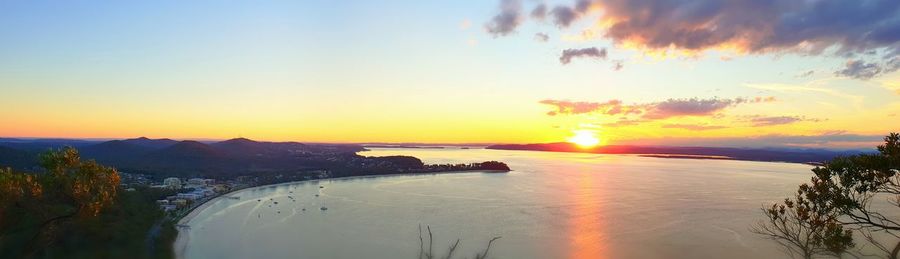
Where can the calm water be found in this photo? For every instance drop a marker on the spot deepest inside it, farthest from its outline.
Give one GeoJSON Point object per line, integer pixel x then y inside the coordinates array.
{"type": "Point", "coordinates": [554, 205]}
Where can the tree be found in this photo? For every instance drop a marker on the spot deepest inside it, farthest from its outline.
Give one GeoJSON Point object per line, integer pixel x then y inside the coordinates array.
{"type": "Point", "coordinates": [429, 254]}
{"type": "Point", "coordinates": [841, 199]}
{"type": "Point", "coordinates": [36, 205]}
{"type": "Point", "coordinates": [15, 187]}
{"type": "Point", "coordinates": [803, 229]}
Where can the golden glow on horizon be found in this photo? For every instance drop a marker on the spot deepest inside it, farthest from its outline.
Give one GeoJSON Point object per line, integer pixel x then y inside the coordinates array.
{"type": "Point", "coordinates": [584, 139]}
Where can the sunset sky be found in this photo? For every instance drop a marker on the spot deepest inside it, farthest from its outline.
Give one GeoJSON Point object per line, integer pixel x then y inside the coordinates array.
{"type": "Point", "coordinates": [715, 73]}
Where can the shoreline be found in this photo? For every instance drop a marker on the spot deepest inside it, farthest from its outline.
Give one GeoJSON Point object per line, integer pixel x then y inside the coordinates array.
{"type": "Point", "coordinates": [182, 238]}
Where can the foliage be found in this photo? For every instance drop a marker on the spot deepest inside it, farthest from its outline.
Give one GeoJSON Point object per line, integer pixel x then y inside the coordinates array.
{"type": "Point", "coordinates": [842, 199]}
{"type": "Point", "coordinates": [86, 186]}
{"type": "Point", "coordinates": [494, 165]}
{"type": "Point", "coordinates": [74, 209]}
{"type": "Point", "coordinates": [804, 229]}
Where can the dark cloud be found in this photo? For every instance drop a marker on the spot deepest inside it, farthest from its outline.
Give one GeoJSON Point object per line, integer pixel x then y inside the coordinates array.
{"type": "Point", "coordinates": [542, 37]}
{"type": "Point", "coordinates": [539, 12]}
{"type": "Point", "coordinates": [756, 26]}
{"type": "Point", "coordinates": [507, 20]}
{"type": "Point", "coordinates": [563, 16]}
{"type": "Point", "coordinates": [859, 69]}
{"type": "Point", "coordinates": [838, 27]}
{"type": "Point", "coordinates": [582, 6]}
{"type": "Point", "coordinates": [696, 127]}
{"type": "Point", "coordinates": [591, 52]}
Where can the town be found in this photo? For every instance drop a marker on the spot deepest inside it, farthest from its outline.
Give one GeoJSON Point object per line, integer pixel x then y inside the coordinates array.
{"type": "Point", "coordinates": [183, 195]}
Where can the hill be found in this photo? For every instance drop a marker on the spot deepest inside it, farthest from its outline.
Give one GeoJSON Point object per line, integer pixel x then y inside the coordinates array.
{"type": "Point", "coordinates": [151, 143]}
{"type": "Point", "coordinates": [17, 159]}
{"type": "Point", "coordinates": [227, 159]}
{"type": "Point", "coordinates": [114, 150]}
{"type": "Point", "coordinates": [44, 144]}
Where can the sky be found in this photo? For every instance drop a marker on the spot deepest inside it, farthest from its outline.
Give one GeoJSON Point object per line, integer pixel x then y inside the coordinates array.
{"type": "Point", "coordinates": [800, 73]}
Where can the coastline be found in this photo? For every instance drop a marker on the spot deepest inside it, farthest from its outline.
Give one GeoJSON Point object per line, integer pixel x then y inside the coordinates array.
{"type": "Point", "coordinates": [182, 239]}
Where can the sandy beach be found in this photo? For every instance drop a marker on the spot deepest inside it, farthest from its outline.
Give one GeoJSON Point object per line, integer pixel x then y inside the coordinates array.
{"type": "Point", "coordinates": [182, 240]}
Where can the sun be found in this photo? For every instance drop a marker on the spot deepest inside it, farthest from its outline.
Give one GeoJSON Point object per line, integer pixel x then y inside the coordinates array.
{"type": "Point", "coordinates": [584, 139]}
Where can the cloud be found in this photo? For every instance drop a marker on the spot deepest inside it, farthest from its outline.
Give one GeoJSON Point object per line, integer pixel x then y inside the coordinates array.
{"type": "Point", "coordinates": [539, 12]}
{"type": "Point", "coordinates": [776, 120]}
{"type": "Point", "coordinates": [696, 127]}
{"type": "Point", "coordinates": [624, 122]}
{"type": "Point", "coordinates": [826, 140]}
{"type": "Point", "coordinates": [638, 113]}
{"type": "Point", "coordinates": [618, 65]}
{"type": "Point", "coordinates": [835, 27]}
{"type": "Point", "coordinates": [687, 107]}
{"type": "Point", "coordinates": [541, 37]}
{"type": "Point", "coordinates": [807, 73]}
{"type": "Point", "coordinates": [592, 52]}
{"type": "Point", "coordinates": [756, 26]}
{"type": "Point", "coordinates": [696, 107]}
{"type": "Point", "coordinates": [652, 111]}
{"type": "Point", "coordinates": [568, 107]}
{"type": "Point", "coordinates": [563, 16]}
{"type": "Point", "coordinates": [762, 121]}
{"type": "Point", "coordinates": [859, 69]}
{"type": "Point", "coordinates": [507, 20]}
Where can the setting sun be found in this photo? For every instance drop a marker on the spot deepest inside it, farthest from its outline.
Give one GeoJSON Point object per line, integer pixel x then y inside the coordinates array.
{"type": "Point", "coordinates": [584, 138]}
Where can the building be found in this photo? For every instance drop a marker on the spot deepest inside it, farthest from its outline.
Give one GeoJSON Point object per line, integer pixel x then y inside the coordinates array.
{"type": "Point", "coordinates": [172, 183]}
{"type": "Point", "coordinates": [220, 188]}
{"type": "Point", "coordinates": [189, 196]}
{"type": "Point", "coordinates": [180, 202]}
{"type": "Point", "coordinates": [197, 181]}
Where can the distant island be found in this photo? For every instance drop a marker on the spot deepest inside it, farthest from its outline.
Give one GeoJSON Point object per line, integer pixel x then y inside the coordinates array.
{"type": "Point", "coordinates": [792, 155]}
